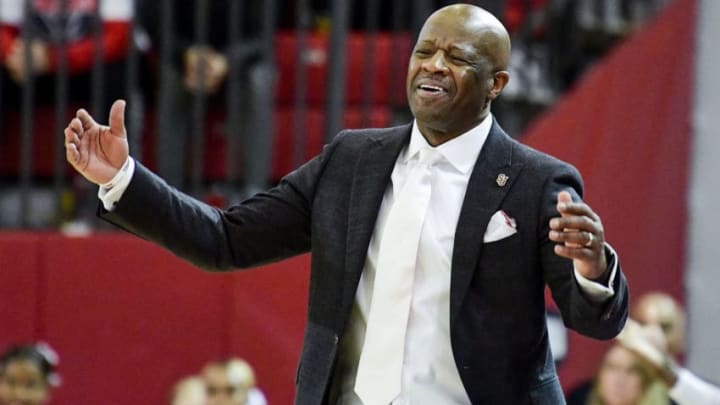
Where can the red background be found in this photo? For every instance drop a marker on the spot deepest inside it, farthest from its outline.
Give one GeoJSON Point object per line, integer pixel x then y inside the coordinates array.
{"type": "Point", "coordinates": [129, 324]}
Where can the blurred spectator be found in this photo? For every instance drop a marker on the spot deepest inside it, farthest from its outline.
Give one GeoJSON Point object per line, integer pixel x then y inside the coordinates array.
{"type": "Point", "coordinates": [196, 69]}
{"type": "Point", "coordinates": [188, 391]}
{"type": "Point", "coordinates": [46, 26]}
{"type": "Point", "coordinates": [555, 42]}
{"type": "Point", "coordinates": [580, 32]}
{"type": "Point", "coordinates": [623, 379]}
{"type": "Point", "coordinates": [662, 311]}
{"type": "Point", "coordinates": [27, 373]}
{"type": "Point", "coordinates": [660, 341]}
{"type": "Point", "coordinates": [231, 382]}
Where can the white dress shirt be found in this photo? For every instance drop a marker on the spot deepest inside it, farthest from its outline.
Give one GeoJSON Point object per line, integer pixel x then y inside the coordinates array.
{"type": "Point", "coordinates": [429, 374]}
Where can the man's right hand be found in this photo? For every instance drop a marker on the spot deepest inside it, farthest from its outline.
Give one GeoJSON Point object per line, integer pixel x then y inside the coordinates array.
{"type": "Point", "coordinates": [97, 151]}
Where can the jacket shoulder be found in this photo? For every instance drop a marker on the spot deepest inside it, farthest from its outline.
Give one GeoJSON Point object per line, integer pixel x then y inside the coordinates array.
{"type": "Point", "coordinates": [539, 160]}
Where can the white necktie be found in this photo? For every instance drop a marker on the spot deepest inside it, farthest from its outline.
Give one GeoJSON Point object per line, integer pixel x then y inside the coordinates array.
{"type": "Point", "coordinates": [378, 379]}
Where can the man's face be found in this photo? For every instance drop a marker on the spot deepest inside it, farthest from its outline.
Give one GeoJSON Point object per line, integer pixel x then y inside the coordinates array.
{"type": "Point", "coordinates": [449, 77]}
{"type": "Point", "coordinates": [221, 390]}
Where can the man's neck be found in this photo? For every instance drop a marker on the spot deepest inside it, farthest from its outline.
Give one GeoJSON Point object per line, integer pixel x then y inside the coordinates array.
{"type": "Point", "coordinates": [436, 137]}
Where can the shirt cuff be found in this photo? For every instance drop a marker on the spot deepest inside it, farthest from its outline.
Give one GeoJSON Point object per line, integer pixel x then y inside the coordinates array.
{"type": "Point", "coordinates": [689, 389]}
{"type": "Point", "coordinates": [111, 192]}
{"type": "Point", "coordinates": [596, 291]}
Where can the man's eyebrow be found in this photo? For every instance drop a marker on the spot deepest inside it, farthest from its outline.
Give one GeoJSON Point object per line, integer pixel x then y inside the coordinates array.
{"type": "Point", "coordinates": [467, 49]}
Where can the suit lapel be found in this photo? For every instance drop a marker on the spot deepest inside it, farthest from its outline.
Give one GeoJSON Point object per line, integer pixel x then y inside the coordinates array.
{"type": "Point", "coordinates": [372, 175]}
{"type": "Point", "coordinates": [482, 199]}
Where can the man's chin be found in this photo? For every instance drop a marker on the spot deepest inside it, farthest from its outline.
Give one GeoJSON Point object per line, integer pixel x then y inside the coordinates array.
{"type": "Point", "coordinates": [431, 120]}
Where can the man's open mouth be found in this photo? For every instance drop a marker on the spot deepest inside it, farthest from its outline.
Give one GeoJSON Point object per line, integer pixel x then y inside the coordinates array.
{"type": "Point", "coordinates": [431, 88]}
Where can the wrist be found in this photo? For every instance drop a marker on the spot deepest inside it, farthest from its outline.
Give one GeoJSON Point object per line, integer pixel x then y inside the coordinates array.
{"type": "Point", "coordinates": [607, 262]}
{"type": "Point", "coordinates": [118, 176]}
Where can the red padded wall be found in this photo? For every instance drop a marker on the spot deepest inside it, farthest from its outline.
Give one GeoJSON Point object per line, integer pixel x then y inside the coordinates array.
{"type": "Point", "coordinates": [128, 318]}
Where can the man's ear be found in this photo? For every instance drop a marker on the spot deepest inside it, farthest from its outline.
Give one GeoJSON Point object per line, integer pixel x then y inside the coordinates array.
{"type": "Point", "coordinates": [500, 80]}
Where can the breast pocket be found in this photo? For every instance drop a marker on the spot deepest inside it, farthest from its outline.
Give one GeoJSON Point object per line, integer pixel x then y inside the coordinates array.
{"type": "Point", "coordinates": [503, 258]}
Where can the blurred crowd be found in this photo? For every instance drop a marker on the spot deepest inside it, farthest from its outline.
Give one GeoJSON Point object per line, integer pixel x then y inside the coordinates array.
{"type": "Point", "coordinates": [28, 375]}
{"type": "Point", "coordinates": [184, 61]}
{"type": "Point", "coordinates": [642, 367]}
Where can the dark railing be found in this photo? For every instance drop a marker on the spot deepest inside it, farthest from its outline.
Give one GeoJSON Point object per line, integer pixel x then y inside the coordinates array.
{"type": "Point", "coordinates": [292, 82]}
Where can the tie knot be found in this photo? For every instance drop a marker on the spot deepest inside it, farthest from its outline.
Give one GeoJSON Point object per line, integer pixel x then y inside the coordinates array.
{"type": "Point", "coordinates": [428, 156]}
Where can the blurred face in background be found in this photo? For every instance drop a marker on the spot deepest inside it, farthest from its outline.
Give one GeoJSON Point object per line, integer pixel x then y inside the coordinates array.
{"type": "Point", "coordinates": [620, 380]}
{"type": "Point", "coordinates": [189, 391]}
{"type": "Point", "coordinates": [222, 388]}
{"type": "Point", "coordinates": [661, 311]}
{"type": "Point", "coordinates": [22, 383]}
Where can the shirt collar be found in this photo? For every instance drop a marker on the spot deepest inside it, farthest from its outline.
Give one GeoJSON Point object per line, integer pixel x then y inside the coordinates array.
{"type": "Point", "coordinates": [461, 151]}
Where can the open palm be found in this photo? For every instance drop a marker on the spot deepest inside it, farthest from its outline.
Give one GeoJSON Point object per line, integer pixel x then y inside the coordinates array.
{"type": "Point", "coordinates": [97, 151]}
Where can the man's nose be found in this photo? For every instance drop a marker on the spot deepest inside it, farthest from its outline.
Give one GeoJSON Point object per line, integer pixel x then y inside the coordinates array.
{"type": "Point", "coordinates": [437, 63]}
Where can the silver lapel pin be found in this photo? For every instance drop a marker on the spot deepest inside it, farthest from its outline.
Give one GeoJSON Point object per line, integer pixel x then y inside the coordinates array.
{"type": "Point", "coordinates": [502, 179]}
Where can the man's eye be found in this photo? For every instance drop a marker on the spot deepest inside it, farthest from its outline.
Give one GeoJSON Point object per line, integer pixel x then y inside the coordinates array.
{"type": "Point", "coordinates": [459, 60]}
{"type": "Point", "coordinates": [422, 52]}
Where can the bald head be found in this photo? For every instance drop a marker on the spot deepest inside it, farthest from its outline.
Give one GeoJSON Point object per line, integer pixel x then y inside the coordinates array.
{"type": "Point", "coordinates": [492, 35]}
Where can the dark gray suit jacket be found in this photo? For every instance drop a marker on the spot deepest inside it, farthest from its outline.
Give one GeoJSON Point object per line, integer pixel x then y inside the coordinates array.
{"type": "Point", "coordinates": [329, 206]}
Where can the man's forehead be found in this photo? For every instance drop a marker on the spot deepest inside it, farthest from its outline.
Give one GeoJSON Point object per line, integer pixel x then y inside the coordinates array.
{"type": "Point", "coordinates": [447, 43]}
{"type": "Point", "coordinates": [467, 33]}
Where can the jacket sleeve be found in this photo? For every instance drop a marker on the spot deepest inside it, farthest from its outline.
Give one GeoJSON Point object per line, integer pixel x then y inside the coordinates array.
{"type": "Point", "coordinates": [600, 320]}
{"type": "Point", "coordinates": [270, 226]}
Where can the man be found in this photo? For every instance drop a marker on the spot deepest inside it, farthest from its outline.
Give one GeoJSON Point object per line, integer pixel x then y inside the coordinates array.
{"type": "Point", "coordinates": [432, 242]}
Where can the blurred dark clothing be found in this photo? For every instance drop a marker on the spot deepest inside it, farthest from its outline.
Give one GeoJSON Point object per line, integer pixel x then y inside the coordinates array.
{"type": "Point", "coordinates": [183, 30]}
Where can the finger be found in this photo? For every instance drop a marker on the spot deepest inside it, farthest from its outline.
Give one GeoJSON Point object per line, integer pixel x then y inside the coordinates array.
{"type": "Point", "coordinates": [72, 155]}
{"type": "Point", "coordinates": [117, 118]}
{"type": "Point", "coordinates": [573, 222]}
{"type": "Point", "coordinates": [574, 238]}
{"type": "Point", "coordinates": [85, 118]}
{"type": "Point", "coordinates": [76, 126]}
{"type": "Point", "coordinates": [576, 253]}
{"type": "Point", "coordinates": [71, 136]}
{"type": "Point", "coordinates": [575, 208]}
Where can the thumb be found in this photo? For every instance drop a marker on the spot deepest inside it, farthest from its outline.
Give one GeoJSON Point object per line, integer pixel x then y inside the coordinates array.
{"type": "Point", "coordinates": [563, 198]}
{"type": "Point", "coordinates": [117, 118]}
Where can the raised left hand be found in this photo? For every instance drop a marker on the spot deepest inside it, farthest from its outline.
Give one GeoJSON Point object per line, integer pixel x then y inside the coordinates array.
{"type": "Point", "coordinates": [580, 236]}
